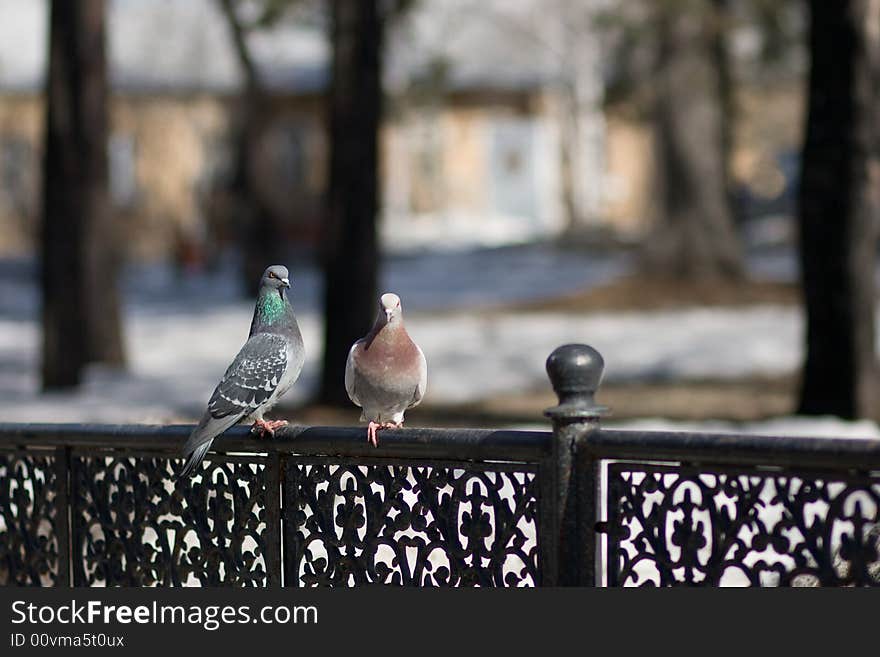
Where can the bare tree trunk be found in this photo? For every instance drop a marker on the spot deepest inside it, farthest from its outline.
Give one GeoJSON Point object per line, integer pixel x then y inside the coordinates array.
{"type": "Point", "coordinates": [719, 29]}
{"type": "Point", "coordinates": [695, 235]}
{"type": "Point", "coordinates": [839, 209]}
{"type": "Point", "coordinates": [254, 221]}
{"type": "Point", "coordinates": [81, 313]}
{"type": "Point", "coordinates": [350, 240]}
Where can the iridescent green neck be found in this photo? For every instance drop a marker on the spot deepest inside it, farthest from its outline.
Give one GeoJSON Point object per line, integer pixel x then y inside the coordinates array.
{"type": "Point", "coordinates": [270, 307]}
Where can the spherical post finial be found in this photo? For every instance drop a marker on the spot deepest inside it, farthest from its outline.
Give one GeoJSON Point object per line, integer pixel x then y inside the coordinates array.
{"type": "Point", "coordinates": [575, 371]}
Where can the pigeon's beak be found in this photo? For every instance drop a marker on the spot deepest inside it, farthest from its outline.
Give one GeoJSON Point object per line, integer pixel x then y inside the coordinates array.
{"type": "Point", "coordinates": [388, 313]}
{"type": "Point", "coordinates": [285, 282]}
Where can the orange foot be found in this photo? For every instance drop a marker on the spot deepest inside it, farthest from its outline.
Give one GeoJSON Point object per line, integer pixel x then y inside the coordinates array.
{"type": "Point", "coordinates": [267, 428]}
{"type": "Point", "coordinates": [373, 430]}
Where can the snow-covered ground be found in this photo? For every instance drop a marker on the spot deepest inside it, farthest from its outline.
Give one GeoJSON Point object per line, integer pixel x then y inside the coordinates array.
{"type": "Point", "coordinates": [182, 334]}
{"type": "Point", "coordinates": [177, 356]}
{"type": "Point", "coordinates": [807, 427]}
{"type": "Point", "coordinates": [176, 359]}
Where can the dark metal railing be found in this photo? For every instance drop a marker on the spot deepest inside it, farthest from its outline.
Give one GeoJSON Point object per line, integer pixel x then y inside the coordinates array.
{"type": "Point", "coordinates": [581, 505]}
{"type": "Point", "coordinates": [314, 505]}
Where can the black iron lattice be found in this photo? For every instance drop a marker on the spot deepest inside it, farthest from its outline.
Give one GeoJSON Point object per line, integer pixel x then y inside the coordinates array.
{"type": "Point", "coordinates": [679, 525]}
{"type": "Point", "coordinates": [338, 520]}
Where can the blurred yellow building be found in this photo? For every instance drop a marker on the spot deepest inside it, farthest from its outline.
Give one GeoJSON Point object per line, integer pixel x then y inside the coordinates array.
{"type": "Point", "coordinates": [484, 126]}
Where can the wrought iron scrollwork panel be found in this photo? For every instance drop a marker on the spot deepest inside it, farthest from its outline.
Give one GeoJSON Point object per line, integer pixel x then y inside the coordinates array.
{"type": "Point", "coordinates": [676, 525]}
{"type": "Point", "coordinates": [29, 514]}
{"type": "Point", "coordinates": [135, 525]}
{"type": "Point", "coordinates": [350, 523]}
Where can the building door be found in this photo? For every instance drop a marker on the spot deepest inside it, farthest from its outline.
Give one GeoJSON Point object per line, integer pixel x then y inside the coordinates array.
{"type": "Point", "coordinates": [512, 171]}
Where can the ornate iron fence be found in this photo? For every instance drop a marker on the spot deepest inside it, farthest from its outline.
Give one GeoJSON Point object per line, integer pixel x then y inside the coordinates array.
{"type": "Point", "coordinates": [581, 505]}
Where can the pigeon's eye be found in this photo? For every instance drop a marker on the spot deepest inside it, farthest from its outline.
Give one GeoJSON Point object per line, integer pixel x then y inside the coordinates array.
{"type": "Point", "coordinates": [272, 275]}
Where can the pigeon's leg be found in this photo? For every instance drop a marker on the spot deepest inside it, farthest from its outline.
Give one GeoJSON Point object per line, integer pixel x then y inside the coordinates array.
{"type": "Point", "coordinates": [372, 430]}
{"type": "Point", "coordinates": [267, 427]}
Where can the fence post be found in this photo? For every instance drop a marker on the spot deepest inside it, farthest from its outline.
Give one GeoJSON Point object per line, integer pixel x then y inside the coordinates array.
{"type": "Point", "coordinates": [575, 371]}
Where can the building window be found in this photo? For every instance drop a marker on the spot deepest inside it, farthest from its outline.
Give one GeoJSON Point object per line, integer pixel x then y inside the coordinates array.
{"type": "Point", "coordinates": [123, 171]}
{"type": "Point", "coordinates": [513, 169]}
{"type": "Point", "coordinates": [16, 183]}
{"type": "Point", "coordinates": [291, 156]}
{"type": "Point", "coordinates": [427, 182]}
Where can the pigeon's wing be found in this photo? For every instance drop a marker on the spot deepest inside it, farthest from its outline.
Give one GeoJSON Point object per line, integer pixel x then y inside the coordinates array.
{"type": "Point", "coordinates": [251, 378]}
{"type": "Point", "coordinates": [247, 384]}
{"type": "Point", "coordinates": [423, 379]}
{"type": "Point", "coordinates": [350, 374]}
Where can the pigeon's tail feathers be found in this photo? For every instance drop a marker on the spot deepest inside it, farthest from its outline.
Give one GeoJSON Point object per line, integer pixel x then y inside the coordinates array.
{"type": "Point", "coordinates": [199, 441]}
{"type": "Point", "coordinates": [194, 459]}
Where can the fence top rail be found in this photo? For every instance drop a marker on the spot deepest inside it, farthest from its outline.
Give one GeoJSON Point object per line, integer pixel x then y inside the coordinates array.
{"type": "Point", "coordinates": [738, 449]}
{"type": "Point", "coordinates": [439, 444]}
{"type": "Point", "coordinates": [465, 444]}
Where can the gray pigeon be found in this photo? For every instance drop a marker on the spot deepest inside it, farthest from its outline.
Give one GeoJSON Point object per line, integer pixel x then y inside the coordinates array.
{"type": "Point", "coordinates": [386, 372]}
{"type": "Point", "coordinates": [265, 368]}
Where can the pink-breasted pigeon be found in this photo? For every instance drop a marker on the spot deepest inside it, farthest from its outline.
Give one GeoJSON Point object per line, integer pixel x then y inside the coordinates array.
{"type": "Point", "coordinates": [386, 372]}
